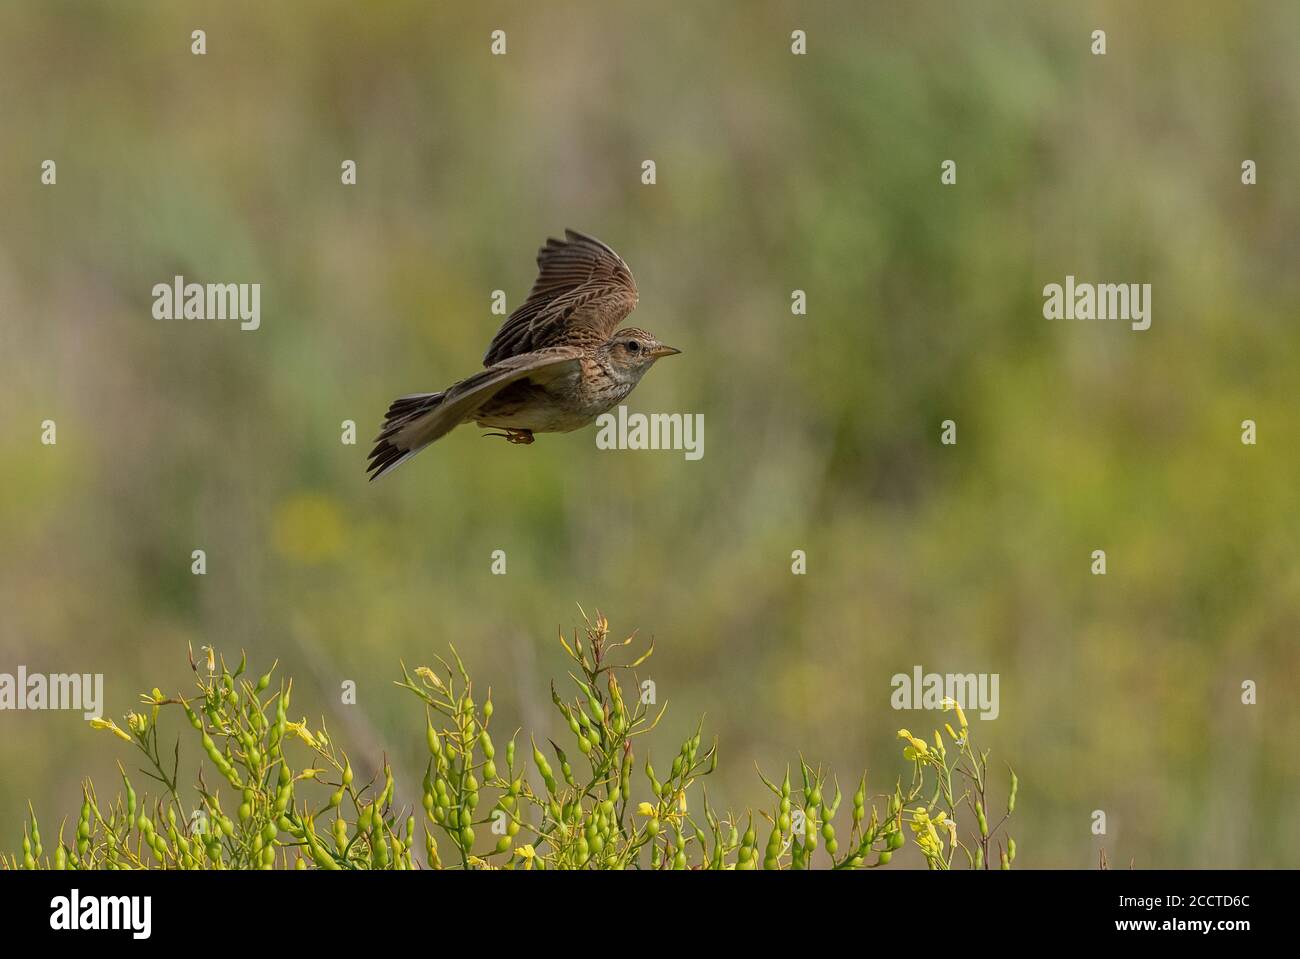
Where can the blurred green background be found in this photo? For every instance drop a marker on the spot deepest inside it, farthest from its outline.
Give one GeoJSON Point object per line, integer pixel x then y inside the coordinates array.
{"type": "Point", "coordinates": [775, 173]}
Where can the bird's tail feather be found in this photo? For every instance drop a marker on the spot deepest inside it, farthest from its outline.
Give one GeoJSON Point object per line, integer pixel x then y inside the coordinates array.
{"type": "Point", "coordinates": [389, 453]}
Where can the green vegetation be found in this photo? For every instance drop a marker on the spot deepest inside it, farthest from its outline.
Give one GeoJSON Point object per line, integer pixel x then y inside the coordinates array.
{"type": "Point", "coordinates": [285, 795]}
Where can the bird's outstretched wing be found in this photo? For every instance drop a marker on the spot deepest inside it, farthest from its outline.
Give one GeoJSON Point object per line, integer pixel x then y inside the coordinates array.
{"type": "Point", "coordinates": [582, 292]}
{"type": "Point", "coordinates": [414, 422]}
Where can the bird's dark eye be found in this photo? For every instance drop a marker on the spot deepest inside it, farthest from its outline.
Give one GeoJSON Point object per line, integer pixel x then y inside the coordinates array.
{"type": "Point", "coordinates": [633, 346]}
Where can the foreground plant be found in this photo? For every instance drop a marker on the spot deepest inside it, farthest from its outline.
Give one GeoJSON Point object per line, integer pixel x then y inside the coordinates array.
{"type": "Point", "coordinates": [485, 808]}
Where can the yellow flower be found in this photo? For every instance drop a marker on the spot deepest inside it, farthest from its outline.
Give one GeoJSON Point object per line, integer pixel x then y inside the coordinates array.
{"type": "Point", "coordinates": [136, 722]}
{"type": "Point", "coordinates": [526, 851]}
{"type": "Point", "coordinates": [924, 832]}
{"type": "Point", "coordinates": [953, 704]}
{"type": "Point", "coordinates": [645, 809]}
{"type": "Point", "coordinates": [300, 730]}
{"type": "Point", "coordinates": [430, 677]}
{"type": "Point", "coordinates": [111, 726]}
{"type": "Point", "coordinates": [917, 749]}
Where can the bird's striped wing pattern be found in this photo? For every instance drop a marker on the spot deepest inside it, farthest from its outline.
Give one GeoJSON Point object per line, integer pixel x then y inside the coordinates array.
{"type": "Point", "coordinates": [582, 292]}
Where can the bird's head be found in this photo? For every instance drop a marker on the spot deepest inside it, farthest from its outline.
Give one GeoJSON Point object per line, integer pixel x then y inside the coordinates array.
{"type": "Point", "coordinates": [631, 352]}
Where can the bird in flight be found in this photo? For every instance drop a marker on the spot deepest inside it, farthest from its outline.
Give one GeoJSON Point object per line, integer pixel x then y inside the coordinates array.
{"type": "Point", "coordinates": [557, 362]}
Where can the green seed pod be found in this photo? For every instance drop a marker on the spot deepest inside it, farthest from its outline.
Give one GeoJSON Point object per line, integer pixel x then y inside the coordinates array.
{"type": "Point", "coordinates": [319, 855]}
{"type": "Point", "coordinates": [979, 817]}
{"type": "Point", "coordinates": [466, 838]}
{"type": "Point", "coordinates": [885, 856]}
{"type": "Point", "coordinates": [544, 768]}
{"type": "Point", "coordinates": [896, 840]}
{"type": "Point", "coordinates": [1011, 796]}
{"type": "Point", "coordinates": [130, 797]}
{"type": "Point", "coordinates": [565, 769]}
{"type": "Point", "coordinates": [1011, 849]}
{"type": "Point", "coordinates": [379, 849]}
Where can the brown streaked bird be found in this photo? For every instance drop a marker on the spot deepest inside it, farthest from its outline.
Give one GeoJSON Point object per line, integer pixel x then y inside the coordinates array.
{"type": "Point", "coordinates": [557, 362]}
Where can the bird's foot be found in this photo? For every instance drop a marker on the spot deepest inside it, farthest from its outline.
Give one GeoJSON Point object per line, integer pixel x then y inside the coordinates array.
{"type": "Point", "coordinates": [521, 437]}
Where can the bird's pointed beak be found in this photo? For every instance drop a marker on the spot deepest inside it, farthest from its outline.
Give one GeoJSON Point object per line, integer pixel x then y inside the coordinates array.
{"type": "Point", "coordinates": [662, 350]}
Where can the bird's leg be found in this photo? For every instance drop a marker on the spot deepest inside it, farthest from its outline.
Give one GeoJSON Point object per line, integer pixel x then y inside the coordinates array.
{"type": "Point", "coordinates": [521, 437]}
